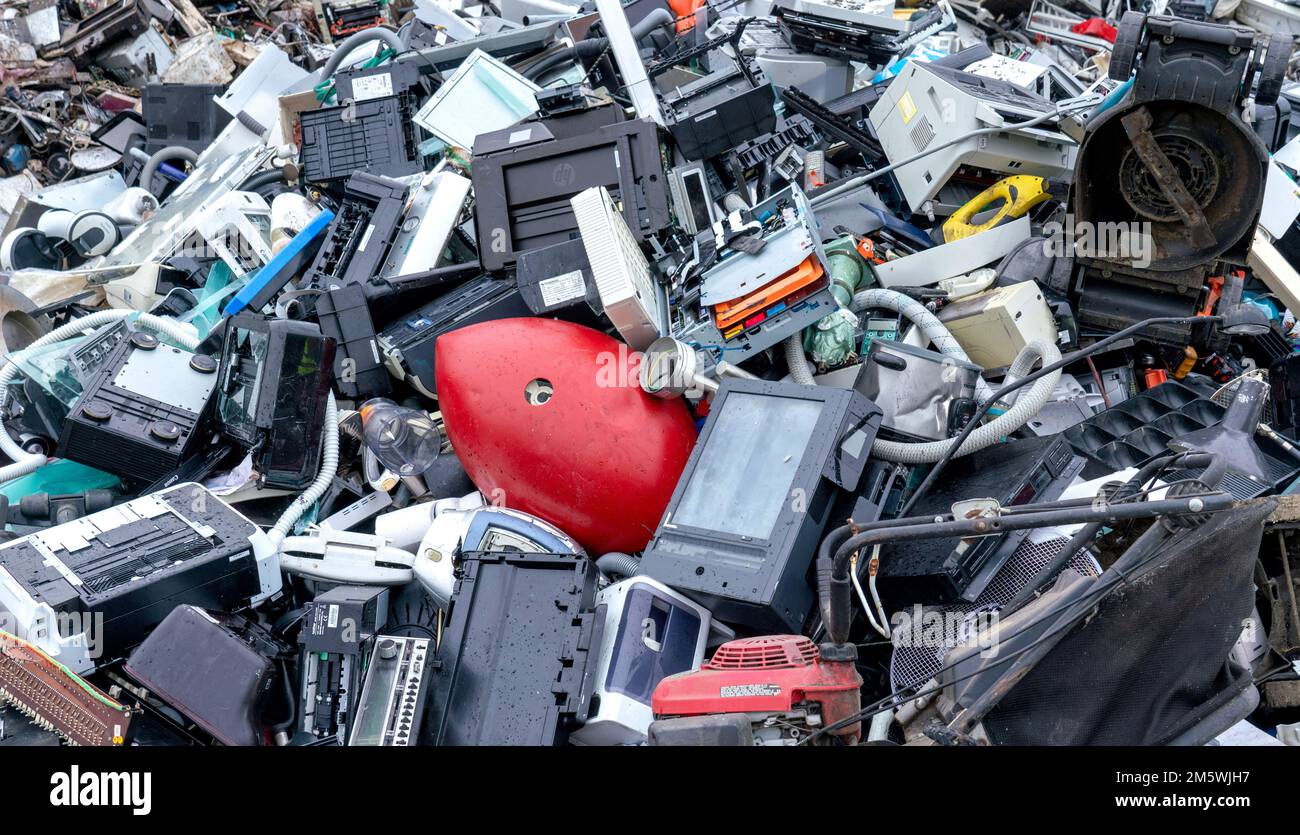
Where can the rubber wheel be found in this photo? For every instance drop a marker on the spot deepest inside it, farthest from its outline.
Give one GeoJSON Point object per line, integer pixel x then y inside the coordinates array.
{"type": "Point", "coordinates": [1127, 41]}
{"type": "Point", "coordinates": [1272, 71]}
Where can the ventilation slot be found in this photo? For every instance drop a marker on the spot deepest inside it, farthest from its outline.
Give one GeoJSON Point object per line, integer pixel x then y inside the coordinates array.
{"type": "Point", "coordinates": [922, 134]}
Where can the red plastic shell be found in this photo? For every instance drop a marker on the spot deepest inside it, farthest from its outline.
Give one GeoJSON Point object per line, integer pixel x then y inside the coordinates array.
{"type": "Point", "coordinates": [771, 674]}
{"type": "Point", "coordinates": [599, 459]}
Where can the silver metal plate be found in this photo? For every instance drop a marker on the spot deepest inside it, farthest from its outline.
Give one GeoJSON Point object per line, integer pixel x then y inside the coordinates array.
{"type": "Point", "coordinates": [164, 374]}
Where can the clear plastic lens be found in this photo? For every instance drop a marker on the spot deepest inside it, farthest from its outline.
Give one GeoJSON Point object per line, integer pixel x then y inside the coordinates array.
{"type": "Point", "coordinates": [405, 440]}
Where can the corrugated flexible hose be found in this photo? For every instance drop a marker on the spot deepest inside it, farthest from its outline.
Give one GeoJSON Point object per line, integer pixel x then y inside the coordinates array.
{"type": "Point", "coordinates": [1028, 404]}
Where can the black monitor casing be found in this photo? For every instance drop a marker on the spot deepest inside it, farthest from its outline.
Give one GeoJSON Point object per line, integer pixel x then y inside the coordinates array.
{"type": "Point", "coordinates": [764, 584]}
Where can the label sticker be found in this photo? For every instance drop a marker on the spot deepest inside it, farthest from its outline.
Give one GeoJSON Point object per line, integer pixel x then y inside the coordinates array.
{"type": "Point", "coordinates": [1007, 69]}
{"type": "Point", "coordinates": [372, 87]}
{"type": "Point", "coordinates": [562, 288]}
{"type": "Point", "coordinates": [735, 691]}
{"type": "Point", "coordinates": [907, 107]}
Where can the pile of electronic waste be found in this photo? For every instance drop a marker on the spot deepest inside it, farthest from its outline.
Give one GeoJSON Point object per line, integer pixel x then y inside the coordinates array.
{"type": "Point", "coordinates": [668, 373]}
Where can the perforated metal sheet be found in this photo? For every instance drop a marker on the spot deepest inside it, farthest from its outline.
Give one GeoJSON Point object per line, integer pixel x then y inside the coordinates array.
{"type": "Point", "coordinates": [914, 665]}
{"type": "Point", "coordinates": [1225, 394]}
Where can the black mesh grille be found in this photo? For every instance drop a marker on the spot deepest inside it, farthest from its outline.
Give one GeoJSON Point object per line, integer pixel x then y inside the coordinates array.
{"type": "Point", "coordinates": [915, 665]}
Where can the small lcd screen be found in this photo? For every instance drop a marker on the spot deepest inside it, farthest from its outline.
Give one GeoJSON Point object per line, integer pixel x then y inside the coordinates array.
{"type": "Point", "coordinates": [745, 472]}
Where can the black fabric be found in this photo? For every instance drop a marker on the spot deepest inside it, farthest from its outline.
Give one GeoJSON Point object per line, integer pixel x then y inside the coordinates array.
{"type": "Point", "coordinates": [1153, 660]}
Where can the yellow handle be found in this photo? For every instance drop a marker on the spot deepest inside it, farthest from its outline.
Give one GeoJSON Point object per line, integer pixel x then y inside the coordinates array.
{"type": "Point", "coordinates": [1018, 193]}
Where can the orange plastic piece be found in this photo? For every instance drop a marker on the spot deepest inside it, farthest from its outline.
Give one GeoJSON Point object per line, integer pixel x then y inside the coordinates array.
{"type": "Point", "coordinates": [729, 313]}
{"type": "Point", "coordinates": [684, 11]}
{"type": "Point", "coordinates": [1216, 290]}
{"type": "Point", "coordinates": [867, 249]}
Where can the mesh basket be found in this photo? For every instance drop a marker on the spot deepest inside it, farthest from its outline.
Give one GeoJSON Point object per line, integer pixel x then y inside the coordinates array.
{"type": "Point", "coordinates": [1225, 394]}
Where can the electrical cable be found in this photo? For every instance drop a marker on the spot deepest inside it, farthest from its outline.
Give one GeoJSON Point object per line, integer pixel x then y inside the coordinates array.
{"type": "Point", "coordinates": [898, 697]}
{"type": "Point", "coordinates": [262, 179]}
{"type": "Point", "coordinates": [1101, 387]}
{"type": "Point", "coordinates": [376, 33]}
{"type": "Point", "coordinates": [292, 698]}
{"type": "Point", "coordinates": [1001, 393]}
{"type": "Point", "coordinates": [873, 570]}
{"type": "Point", "coordinates": [866, 607]}
{"type": "Point", "coordinates": [849, 185]}
{"type": "Point", "coordinates": [1083, 537]}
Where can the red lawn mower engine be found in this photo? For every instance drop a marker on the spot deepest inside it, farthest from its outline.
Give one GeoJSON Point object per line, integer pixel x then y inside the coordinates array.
{"type": "Point", "coordinates": [773, 690]}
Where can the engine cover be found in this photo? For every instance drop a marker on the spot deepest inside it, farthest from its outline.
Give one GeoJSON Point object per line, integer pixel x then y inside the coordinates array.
{"type": "Point", "coordinates": [775, 676]}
